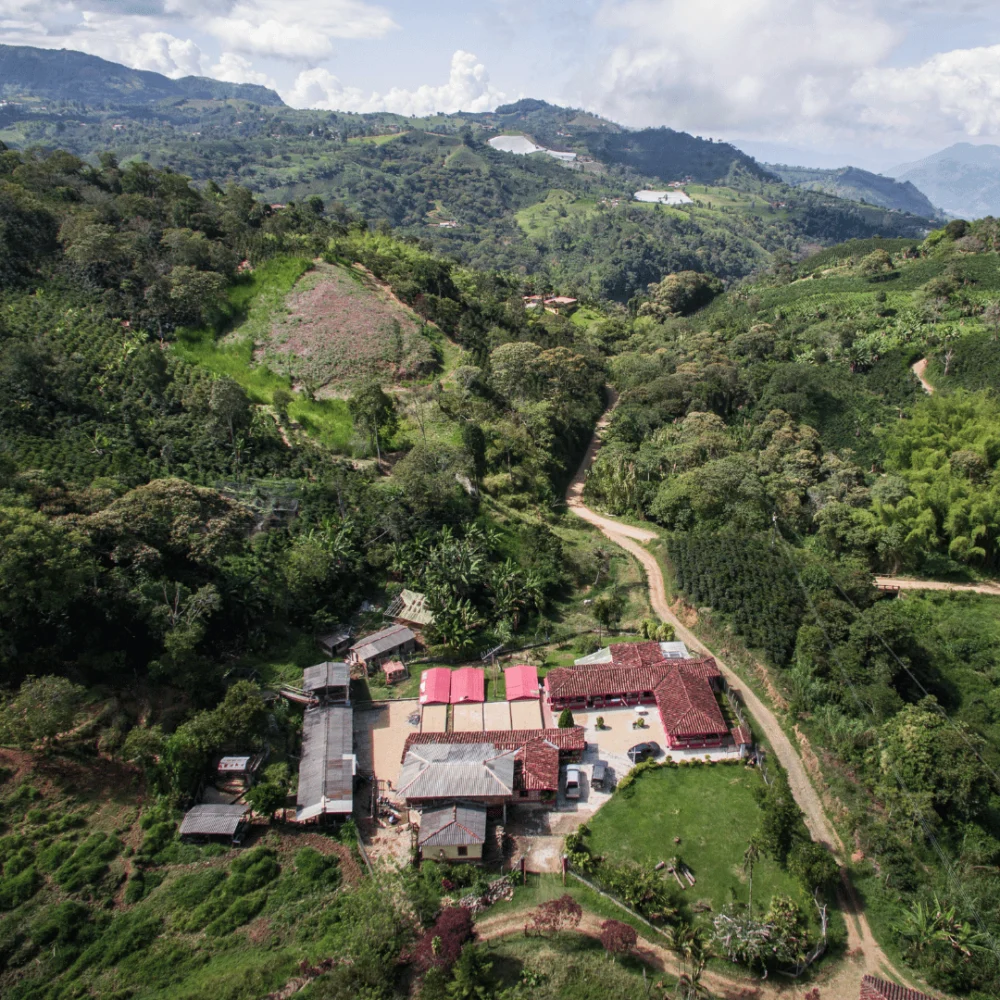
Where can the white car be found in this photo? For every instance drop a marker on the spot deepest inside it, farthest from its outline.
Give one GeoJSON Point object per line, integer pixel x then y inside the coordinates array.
{"type": "Point", "coordinates": [573, 775]}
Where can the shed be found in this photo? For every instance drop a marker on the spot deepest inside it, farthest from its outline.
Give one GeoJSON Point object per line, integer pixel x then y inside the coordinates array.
{"type": "Point", "coordinates": [327, 767]}
{"type": "Point", "coordinates": [388, 644]}
{"type": "Point", "coordinates": [410, 608]}
{"type": "Point", "coordinates": [468, 684]}
{"type": "Point", "coordinates": [329, 681]}
{"type": "Point", "coordinates": [435, 686]}
{"type": "Point", "coordinates": [335, 641]}
{"type": "Point", "coordinates": [395, 671]}
{"type": "Point", "coordinates": [455, 832]}
{"type": "Point", "coordinates": [213, 819]}
{"type": "Point", "coordinates": [521, 682]}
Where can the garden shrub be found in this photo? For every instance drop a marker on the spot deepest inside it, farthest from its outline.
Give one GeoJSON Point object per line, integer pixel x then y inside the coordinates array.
{"type": "Point", "coordinates": [318, 870]}
{"type": "Point", "coordinates": [55, 854]}
{"type": "Point", "coordinates": [18, 861]}
{"type": "Point", "coordinates": [240, 912]}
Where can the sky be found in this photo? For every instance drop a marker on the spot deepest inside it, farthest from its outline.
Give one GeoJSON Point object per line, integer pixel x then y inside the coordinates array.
{"type": "Point", "coordinates": [872, 83]}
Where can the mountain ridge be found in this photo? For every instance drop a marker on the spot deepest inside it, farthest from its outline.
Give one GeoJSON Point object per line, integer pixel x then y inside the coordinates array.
{"type": "Point", "coordinates": [964, 178]}
{"type": "Point", "coordinates": [65, 74]}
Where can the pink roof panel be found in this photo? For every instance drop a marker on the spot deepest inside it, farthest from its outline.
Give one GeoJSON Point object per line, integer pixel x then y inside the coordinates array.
{"type": "Point", "coordinates": [435, 686]}
{"type": "Point", "coordinates": [468, 684]}
{"type": "Point", "coordinates": [521, 681]}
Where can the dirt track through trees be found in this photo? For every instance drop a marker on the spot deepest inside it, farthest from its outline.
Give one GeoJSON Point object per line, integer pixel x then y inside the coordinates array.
{"type": "Point", "coordinates": [861, 941]}
{"type": "Point", "coordinates": [903, 583]}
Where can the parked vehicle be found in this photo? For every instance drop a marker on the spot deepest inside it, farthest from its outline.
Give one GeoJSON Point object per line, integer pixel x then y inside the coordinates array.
{"type": "Point", "coordinates": [573, 775]}
{"type": "Point", "coordinates": [598, 775]}
{"type": "Point", "coordinates": [643, 750]}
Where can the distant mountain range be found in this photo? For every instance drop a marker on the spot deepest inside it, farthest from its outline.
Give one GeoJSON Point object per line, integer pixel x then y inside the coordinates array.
{"type": "Point", "coordinates": [859, 185]}
{"type": "Point", "coordinates": [63, 75]}
{"type": "Point", "coordinates": [963, 179]}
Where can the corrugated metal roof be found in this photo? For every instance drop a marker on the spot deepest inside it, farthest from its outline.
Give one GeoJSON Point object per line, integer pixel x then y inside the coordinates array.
{"type": "Point", "coordinates": [324, 675]}
{"type": "Point", "coordinates": [435, 686]}
{"type": "Point", "coordinates": [382, 642]}
{"type": "Point", "coordinates": [601, 656]}
{"type": "Point", "coordinates": [521, 682]}
{"type": "Point", "coordinates": [456, 770]}
{"type": "Point", "coordinates": [411, 606]}
{"type": "Point", "coordinates": [213, 819]}
{"type": "Point", "coordinates": [468, 684]}
{"type": "Point", "coordinates": [326, 771]}
{"type": "Point", "coordinates": [454, 824]}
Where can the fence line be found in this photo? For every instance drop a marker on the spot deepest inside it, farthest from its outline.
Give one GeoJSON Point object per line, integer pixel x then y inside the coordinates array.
{"type": "Point", "coordinates": [616, 901]}
{"type": "Point", "coordinates": [364, 855]}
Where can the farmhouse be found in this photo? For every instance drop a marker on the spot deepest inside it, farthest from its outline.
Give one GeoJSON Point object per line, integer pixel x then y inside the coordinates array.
{"type": "Point", "coordinates": [639, 674]}
{"type": "Point", "coordinates": [878, 989]}
{"type": "Point", "coordinates": [434, 773]}
{"type": "Point", "coordinates": [455, 832]}
{"type": "Point", "coordinates": [373, 650]}
{"type": "Point", "coordinates": [625, 653]}
{"type": "Point", "coordinates": [561, 304]}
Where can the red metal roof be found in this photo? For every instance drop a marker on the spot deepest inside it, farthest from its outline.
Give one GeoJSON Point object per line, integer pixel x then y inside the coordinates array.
{"type": "Point", "coordinates": [435, 686]}
{"type": "Point", "coordinates": [879, 989]}
{"type": "Point", "coordinates": [688, 707]}
{"type": "Point", "coordinates": [468, 684]}
{"type": "Point", "coordinates": [521, 682]}
{"type": "Point", "coordinates": [569, 740]}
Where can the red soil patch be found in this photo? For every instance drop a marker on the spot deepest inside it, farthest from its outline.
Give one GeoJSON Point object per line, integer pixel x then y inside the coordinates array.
{"type": "Point", "coordinates": [341, 327]}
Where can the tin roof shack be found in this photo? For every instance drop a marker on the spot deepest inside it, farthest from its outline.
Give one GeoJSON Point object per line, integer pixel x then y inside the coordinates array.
{"type": "Point", "coordinates": [328, 764]}
{"type": "Point", "coordinates": [434, 772]}
{"type": "Point", "coordinates": [395, 671]}
{"type": "Point", "coordinates": [236, 772]}
{"type": "Point", "coordinates": [455, 832]}
{"type": "Point", "coordinates": [410, 608]}
{"type": "Point", "coordinates": [371, 651]}
{"type": "Point", "coordinates": [329, 683]}
{"type": "Point", "coordinates": [335, 641]}
{"type": "Point", "coordinates": [214, 821]}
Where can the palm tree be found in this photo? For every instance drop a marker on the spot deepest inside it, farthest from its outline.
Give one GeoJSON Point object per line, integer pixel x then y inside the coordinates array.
{"type": "Point", "coordinates": [750, 857]}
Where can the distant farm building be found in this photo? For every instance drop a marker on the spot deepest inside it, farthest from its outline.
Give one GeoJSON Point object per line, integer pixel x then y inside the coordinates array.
{"type": "Point", "coordinates": [371, 651]}
{"type": "Point", "coordinates": [214, 821]}
{"type": "Point", "coordinates": [455, 832]}
{"type": "Point", "coordinates": [410, 608]}
{"type": "Point", "coordinates": [561, 304]}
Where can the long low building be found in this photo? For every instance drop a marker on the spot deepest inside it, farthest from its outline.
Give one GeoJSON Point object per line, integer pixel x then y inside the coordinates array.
{"type": "Point", "coordinates": [683, 690]}
{"type": "Point", "coordinates": [328, 764]}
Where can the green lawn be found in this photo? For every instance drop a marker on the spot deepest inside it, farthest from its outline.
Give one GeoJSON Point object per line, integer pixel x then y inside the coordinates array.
{"type": "Point", "coordinates": [559, 206]}
{"type": "Point", "coordinates": [713, 812]}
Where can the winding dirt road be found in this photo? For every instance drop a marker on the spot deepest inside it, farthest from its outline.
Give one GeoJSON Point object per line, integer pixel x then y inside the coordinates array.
{"type": "Point", "coordinates": [867, 956]}
{"type": "Point", "coordinates": [904, 583]}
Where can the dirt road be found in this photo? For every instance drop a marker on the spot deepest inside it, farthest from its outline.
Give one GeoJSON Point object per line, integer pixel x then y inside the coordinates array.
{"type": "Point", "coordinates": [918, 368]}
{"type": "Point", "coordinates": [860, 938]}
{"type": "Point", "coordinates": [903, 583]}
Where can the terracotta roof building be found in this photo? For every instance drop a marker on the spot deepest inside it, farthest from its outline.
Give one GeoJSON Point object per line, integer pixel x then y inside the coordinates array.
{"type": "Point", "coordinates": [639, 674]}
{"type": "Point", "coordinates": [879, 989]}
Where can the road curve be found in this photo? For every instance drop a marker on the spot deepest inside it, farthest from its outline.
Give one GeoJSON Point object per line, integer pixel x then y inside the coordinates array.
{"type": "Point", "coordinates": [904, 583]}
{"type": "Point", "coordinates": [860, 940]}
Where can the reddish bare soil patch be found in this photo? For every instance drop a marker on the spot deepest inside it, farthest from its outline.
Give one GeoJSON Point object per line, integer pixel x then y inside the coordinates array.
{"type": "Point", "coordinates": [340, 327]}
{"type": "Point", "coordinates": [293, 839]}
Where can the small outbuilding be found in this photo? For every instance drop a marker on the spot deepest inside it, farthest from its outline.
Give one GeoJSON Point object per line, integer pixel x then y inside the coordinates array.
{"type": "Point", "coordinates": [468, 684]}
{"type": "Point", "coordinates": [336, 641]}
{"type": "Point", "coordinates": [521, 682]}
{"type": "Point", "coordinates": [410, 608]}
{"type": "Point", "coordinates": [395, 671]}
{"type": "Point", "coordinates": [215, 821]}
{"type": "Point", "coordinates": [328, 682]}
{"type": "Point", "coordinates": [454, 832]}
{"type": "Point", "coordinates": [435, 686]}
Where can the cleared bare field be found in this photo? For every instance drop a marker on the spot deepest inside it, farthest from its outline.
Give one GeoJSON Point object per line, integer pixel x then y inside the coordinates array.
{"type": "Point", "coordinates": [339, 327]}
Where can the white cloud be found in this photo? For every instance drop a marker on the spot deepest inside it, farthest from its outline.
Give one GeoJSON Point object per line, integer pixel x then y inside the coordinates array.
{"type": "Point", "coordinates": [468, 89]}
{"type": "Point", "coordinates": [162, 53]}
{"type": "Point", "coordinates": [297, 29]}
{"type": "Point", "coordinates": [752, 66]}
{"type": "Point", "coordinates": [233, 68]}
{"type": "Point", "coordinates": [960, 87]}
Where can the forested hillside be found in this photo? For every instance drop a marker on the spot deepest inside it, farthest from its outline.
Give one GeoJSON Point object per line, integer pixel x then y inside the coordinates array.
{"type": "Point", "coordinates": [787, 451]}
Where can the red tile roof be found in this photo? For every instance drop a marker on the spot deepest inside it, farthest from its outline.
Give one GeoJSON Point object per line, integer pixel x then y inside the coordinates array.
{"type": "Point", "coordinates": [468, 684]}
{"type": "Point", "coordinates": [741, 734]}
{"type": "Point", "coordinates": [688, 707]}
{"type": "Point", "coordinates": [879, 989]}
{"type": "Point", "coordinates": [626, 674]}
{"type": "Point", "coordinates": [435, 686]}
{"type": "Point", "coordinates": [635, 654]}
{"type": "Point", "coordinates": [521, 682]}
{"type": "Point", "coordinates": [567, 740]}
{"type": "Point", "coordinates": [540, 766]}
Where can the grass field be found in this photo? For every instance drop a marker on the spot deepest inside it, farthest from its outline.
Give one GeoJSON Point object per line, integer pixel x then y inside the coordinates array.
{"type": "Point", "coordinates": [713, 812]}
{"type": "Point", "coordinates": [253, 303]}
{"type": "Point", "coordinates": [559, 206]}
